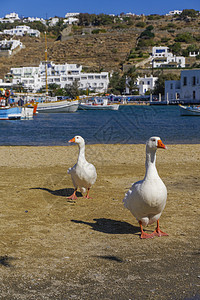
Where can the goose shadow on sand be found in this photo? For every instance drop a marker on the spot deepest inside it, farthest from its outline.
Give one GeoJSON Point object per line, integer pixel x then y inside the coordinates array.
{"type": "Point", "coordinates": [5, 261]}
{"type": "Point", "coordinates": [61, 192]}
{"type": "Point", "coordinates": [110, 226]}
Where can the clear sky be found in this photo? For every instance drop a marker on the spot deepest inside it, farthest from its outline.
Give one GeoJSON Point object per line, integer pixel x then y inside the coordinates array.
{"type": "Point", "coordinates": [52, 8]}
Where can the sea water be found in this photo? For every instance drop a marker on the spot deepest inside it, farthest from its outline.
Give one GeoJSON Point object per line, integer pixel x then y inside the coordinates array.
{"type": "Point", "coordinates": [131, 124]}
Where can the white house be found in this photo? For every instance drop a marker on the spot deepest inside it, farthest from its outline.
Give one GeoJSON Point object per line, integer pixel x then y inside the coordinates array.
{"type": "Point", "coordinates": [13, 16]}
{"type": "Point", "coordinates": [22, 30]}
{"type": "Point", "coordinates": [161, 57]}
{"type": "Point", "coordinates": [145, 84]}
{"type": "Point", "coordinates": [32, 19]}
{"type": "Point", "coordinates": [34, 78]}
{"type": "Point", "coordinates": [9, 46]}
{"type": "Point", "coordinates": [187, 88]}
{"type": "Point", "coordinates": [68, 15]}
{"type": "Point", "coordinates": [71, 20]}
{"type": "Point", "coordinates": [2, 20]}
{"type": "Point", "coordinates": [53, 21]}
{"type": "Point", "coordinates": [174, 12]}
{"type": "Point", "coordinates": [10, 18]}
{"type": "Point", "coordinates": [194, 54]}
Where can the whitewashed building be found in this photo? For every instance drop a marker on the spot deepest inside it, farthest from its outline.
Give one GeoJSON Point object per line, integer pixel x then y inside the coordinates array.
{"type": "Point", "coordinates": [34, 78]}
{"type": "Point", "coordinates": [10, 18]}
{"type": "Point", "coordinates": [187, 88]}
{"type": "Point", "coordinates": [22, 30]}
{"type": "Point", "coordinates": [14, 16]}
{"type": "Point", "coordinates": [145, 84]}
{"type": "Point", "coordinates": [53, 21]}
{"type": "Point", "coordinates": [142, 84]}
{"type": "Point", "coordinates": [194, 53]}
{"type": "Point", "coordinates": [161, 57]}
{"type": "Point", "coordinates": [69, 15]}
{"type": "Point", "coordinates": [7, 47]}
{"type": "Point", "coordinates": [32, 19]}
{"type": "Point", "coordinates": [174, 12]}
{"type": "Point", "coordinates": [71, 20]}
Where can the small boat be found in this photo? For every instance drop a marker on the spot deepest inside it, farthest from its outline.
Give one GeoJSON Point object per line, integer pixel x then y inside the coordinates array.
{"type": "Point", "coordinates": [16, 113]}
{"type": "Point", "coordinates": [98, 104]}
{"type": "Point", "coordinates": [12, 111]}
{"type": "Point", "coordinates": [63, 106]}
{"type": "Point", "coordinates": [189, 110]}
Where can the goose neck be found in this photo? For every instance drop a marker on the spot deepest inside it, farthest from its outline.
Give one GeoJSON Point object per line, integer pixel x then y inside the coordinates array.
{"type": "Point", "coordinates": [81, 156]}
{"type": "Point", "coordinates": [151, 170]}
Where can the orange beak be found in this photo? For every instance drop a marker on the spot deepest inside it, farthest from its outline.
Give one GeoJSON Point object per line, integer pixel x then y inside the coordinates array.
{"type": "Point", "coordinates": [72, 140]}
{"type": "Point", "coordinates": [161, 145]}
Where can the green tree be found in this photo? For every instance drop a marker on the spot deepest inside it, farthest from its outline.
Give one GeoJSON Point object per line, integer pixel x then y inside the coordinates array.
{"type": "Point", "coordinates": [160, 83]}
{"type": "Point", "coordinates": [184, 38]}
{"type": "Point", "coordinates": [72, 90]}
{"type": "Point", "coordinates": [131, 76]}
{"type": "Point", "coordinates": [38, 25]}
{"type": "Point", "coordinates": [189, 13]}
{"type": "Point", "coordinates": [176, 48]}
{"type": "Point", "coordinates": [117, 83]}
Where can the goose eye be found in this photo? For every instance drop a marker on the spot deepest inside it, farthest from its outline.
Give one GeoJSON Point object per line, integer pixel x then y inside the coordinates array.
{"type": "Point", "coordinates": [153, 140]}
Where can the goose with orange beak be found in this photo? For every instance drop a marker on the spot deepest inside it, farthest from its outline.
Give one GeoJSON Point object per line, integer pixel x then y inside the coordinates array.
{"type": "Point", "coordinates": [83, 173]}
{"type": "Point", "coordinates": [146, 199]}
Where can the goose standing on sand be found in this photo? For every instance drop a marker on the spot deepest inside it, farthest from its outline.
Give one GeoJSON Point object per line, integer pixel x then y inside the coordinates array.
{"type": "Point", "coordinates": [146, 199]}
{"type": "Point", "coordinates": [83, 173]}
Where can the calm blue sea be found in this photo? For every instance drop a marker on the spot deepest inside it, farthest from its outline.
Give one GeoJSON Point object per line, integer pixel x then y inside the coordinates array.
{"type": "Point", "coordinates": [130, 125]}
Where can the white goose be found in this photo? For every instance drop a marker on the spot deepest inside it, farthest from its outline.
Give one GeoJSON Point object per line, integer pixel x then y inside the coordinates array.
{"type": "Point", "coordinates": [146, 199]}
{"type": "Point", "coordinates": [83, 174]}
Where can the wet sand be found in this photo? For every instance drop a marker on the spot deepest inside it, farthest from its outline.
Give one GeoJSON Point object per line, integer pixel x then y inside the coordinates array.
{"type": "Point", "coordinates": [56, 248]}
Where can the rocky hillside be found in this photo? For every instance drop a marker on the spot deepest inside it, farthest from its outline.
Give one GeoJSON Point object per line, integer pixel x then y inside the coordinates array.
{"type": "Point", "coordinates": [108, 50]}
{"type": "Point", "coordinates": [97, 52]}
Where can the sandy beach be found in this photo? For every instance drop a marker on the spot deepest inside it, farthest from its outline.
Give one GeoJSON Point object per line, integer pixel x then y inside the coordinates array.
{"type": "Point", "coordinates": [56, 248]}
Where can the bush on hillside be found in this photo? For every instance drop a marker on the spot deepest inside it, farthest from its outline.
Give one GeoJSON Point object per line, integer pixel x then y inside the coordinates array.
{"type": "Point", "coordinates": [184, 38]}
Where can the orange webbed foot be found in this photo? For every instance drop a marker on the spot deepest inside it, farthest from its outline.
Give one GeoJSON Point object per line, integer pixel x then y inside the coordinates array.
{"type": "Point", "coordinates": [73, 196]}
{"type": "Point", "coordinates": [159, 233]}
{"type": "Point", "coordinates": [145, 235]}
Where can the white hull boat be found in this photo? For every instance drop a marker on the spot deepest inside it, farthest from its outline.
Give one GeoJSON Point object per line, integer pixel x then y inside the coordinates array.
{"type": "Point", "coordinates": [98, 104]}
{"type": "Point", "coordinates": [189, 110]}
{"type": "Point", "coordinates": [63, 106]}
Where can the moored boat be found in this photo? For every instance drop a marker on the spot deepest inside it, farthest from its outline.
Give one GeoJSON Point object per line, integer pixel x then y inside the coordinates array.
{"type": "Point", "coordinates": [189, 110]}
{"type": "Point", "coordinates": [16, 113]}
{"type": "Point", "coordinates": [63, 106]}
{"type": "Point", "coordinates": [98, 104]}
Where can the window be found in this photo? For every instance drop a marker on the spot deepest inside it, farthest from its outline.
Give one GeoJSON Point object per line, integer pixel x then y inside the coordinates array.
{"type": "Point", "coordinates": [194, 95]}
{"type": "Point", "coordinates": [171, 86]}
{"type": "Point", "coordinates": [184, 80]}
{"type": "Point", "coordinates": [193, 80]}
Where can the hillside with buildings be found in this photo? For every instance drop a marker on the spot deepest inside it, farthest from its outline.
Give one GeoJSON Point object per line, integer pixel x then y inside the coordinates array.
{"type": "Point", "coordinates": [114, 47]}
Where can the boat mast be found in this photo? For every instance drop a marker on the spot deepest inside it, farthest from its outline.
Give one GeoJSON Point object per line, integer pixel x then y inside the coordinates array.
{"type": "Point", "coordinates": [46, 64]}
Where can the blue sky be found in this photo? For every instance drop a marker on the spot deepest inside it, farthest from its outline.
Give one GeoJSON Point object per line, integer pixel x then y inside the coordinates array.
{"type": "Point", "coordinates": [51, 8]}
